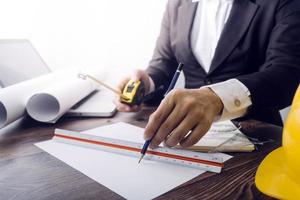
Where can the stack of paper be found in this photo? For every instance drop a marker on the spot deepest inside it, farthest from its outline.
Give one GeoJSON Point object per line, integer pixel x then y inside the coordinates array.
{"type": "Point", "coordinates": [224, 137]}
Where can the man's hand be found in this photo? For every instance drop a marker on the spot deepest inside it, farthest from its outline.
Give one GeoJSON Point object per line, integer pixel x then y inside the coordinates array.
{"type": "Point", "coordinates": [136, 76]}
{"type": "Point", "coordinates": [182, 111]}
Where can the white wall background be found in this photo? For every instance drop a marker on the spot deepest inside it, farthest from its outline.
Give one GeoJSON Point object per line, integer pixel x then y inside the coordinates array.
{"type": "Point", "coordinates": [118, 35]}
{"type": "Point", "coordinates": [114, 34]}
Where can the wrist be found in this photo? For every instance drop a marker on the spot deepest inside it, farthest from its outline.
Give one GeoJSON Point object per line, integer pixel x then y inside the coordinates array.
{"type": "Point", "coordinates": [214, 100]}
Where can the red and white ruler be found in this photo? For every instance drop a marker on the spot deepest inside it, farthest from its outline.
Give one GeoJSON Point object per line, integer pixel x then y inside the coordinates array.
{"type": "Point", "coordinates": [203, 161]}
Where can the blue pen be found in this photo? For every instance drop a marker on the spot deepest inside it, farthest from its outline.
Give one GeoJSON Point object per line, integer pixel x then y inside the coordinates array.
{"type": "Point", "coordinates": [171, 86]}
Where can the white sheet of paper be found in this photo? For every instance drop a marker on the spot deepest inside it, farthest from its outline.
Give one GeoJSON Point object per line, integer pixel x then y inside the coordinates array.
{"type": "Point", "coordinates": [122, 174]}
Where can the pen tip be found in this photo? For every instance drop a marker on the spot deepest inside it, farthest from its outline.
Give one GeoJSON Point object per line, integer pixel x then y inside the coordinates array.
{"type": "Point", "coordinates": [142, 156]}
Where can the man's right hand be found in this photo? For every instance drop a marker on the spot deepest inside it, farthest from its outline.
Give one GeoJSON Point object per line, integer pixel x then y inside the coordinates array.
{"type": "Point", "coordinates": [136, 76]}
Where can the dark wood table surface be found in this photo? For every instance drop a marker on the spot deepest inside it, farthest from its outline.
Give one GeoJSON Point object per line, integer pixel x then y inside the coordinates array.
{"type": "Point", "coordinates": [27, 172]}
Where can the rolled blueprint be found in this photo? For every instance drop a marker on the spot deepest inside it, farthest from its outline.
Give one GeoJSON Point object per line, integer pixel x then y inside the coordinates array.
{"type": "Point", "coordinates": [52, 102]}
{"type": "Point", "coordinates": [13, 98]}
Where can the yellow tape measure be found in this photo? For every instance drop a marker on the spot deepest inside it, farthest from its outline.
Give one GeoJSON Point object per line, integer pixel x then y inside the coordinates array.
{"type": "Point", "coordinates": [135, 92]}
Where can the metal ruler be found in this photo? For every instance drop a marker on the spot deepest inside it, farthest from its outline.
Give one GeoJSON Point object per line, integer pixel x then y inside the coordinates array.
{"type": "Point", "coordinates": [203, 161]}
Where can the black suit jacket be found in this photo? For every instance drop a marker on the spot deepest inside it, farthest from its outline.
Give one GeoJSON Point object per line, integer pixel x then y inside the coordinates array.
{"type": "Point", "coordinates": [260, 46]}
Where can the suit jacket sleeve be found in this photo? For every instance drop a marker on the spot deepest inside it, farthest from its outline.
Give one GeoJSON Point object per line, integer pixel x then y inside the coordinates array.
{"type": "Point", "coordinates": [274, 85]}
{"type": "Point", "coordinates": [163, 63]}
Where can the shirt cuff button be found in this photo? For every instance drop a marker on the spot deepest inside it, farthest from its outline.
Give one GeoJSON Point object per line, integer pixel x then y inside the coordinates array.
{"type": "Point", "coordinates": [237, 103]}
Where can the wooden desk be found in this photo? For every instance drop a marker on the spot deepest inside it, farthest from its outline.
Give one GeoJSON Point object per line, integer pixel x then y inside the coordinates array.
{"type": "Point", "coordinates": [26, 172]}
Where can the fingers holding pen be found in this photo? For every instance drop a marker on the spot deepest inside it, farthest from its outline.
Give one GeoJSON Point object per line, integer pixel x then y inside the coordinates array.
{"type": "Point", "coordinates": [158, 117]}
{"type": "Point", "coordinates": [167, 126]}
{"type": "Point", "coordinates": [181, 131]}
{"type": "Point", "coordinates": [167, 117]}
{"type": "Point", "coordinates": [183, 117]}
{"type": "Point", "coordinates": [197, 133]}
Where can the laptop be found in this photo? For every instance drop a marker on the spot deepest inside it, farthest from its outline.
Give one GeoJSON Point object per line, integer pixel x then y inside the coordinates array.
{"type": "Point", "coordinates": [19, 61]}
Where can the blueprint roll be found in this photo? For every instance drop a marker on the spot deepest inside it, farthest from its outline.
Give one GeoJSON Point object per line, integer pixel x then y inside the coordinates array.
{"type": "Point", "coordinates": [55, 100]}
{"type": "Point", "coordinates": [13, 98]}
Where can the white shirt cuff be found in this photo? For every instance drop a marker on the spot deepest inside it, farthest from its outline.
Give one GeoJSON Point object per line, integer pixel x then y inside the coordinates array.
{"type": "Point", "coordinates": [235, 97]}
{"type": "Point", "coordinates": [152, 86]}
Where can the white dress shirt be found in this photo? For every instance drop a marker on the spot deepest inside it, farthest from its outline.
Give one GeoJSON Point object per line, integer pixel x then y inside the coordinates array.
{"type": "Point", "coordinates": [209, 22]}
{"type": "Point", "coordinates": [210, 19]}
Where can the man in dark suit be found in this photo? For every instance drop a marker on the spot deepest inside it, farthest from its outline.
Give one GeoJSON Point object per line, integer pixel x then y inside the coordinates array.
{"type": "Point", "coordinates": [242, 59]}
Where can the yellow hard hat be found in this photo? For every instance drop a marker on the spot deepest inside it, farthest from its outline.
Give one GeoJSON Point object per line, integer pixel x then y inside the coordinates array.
{"type": "Point", "coordinates": [279, 173]}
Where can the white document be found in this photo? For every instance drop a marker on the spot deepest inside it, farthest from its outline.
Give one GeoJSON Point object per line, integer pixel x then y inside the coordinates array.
{"type": "Point", "coordinates": [122, 174]}
{"type": "Point", "coordinates": [226, 137]}
{"type": "Point", "coordinates": [49, 104]}
{"type": "Point", "coordinates": [13, 98]}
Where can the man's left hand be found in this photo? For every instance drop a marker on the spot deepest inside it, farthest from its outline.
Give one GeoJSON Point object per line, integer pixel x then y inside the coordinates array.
{"type": "Point", "coordinates": [183, 117]}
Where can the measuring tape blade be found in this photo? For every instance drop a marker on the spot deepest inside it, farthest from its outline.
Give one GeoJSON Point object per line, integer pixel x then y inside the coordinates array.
{"type": "Point", "coordinates": [203, 161]}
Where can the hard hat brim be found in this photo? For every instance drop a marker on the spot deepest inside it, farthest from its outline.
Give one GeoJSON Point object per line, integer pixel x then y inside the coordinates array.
{"type": "Point", "coordinates": [272, 180]}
